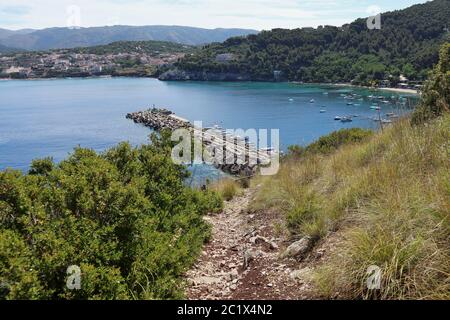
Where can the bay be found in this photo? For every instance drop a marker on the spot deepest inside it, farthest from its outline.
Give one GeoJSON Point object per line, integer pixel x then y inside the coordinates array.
{"type": "Point", "coordinates": [50, 117]}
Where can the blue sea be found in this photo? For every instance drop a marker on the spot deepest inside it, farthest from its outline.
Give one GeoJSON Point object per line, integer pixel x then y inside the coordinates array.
{"type": "Point", "coordinates": [42, 118]}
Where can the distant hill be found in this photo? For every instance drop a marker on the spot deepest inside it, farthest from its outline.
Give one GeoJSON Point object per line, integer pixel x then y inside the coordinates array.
{"type": "Point", "coordinates": [5, 49]}
{"type": "Point", "coordinates": [5, 33]}
{"type": "Point", "coordinates": [407, 43]}
{"type": "Point", "coordinates": [60, 38]}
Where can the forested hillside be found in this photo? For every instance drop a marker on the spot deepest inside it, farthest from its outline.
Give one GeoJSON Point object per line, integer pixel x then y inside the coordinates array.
{"type": "Point", "coordinates": [407, 43]}
{"type": "Point", "coordinates": [7, 50]}
{"type": "Point", "coordinates": [148, 47]}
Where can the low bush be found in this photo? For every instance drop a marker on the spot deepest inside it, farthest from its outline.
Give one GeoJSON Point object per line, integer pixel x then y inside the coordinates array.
{"type": "Point", "coordinates": [124, 217]}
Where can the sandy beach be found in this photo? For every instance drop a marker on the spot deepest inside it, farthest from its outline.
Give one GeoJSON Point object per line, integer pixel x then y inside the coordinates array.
{"type": "Point", "coordinates": [398, 90]}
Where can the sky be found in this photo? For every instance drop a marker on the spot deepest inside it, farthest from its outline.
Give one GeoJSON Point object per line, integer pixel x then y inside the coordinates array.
{"type": "Point", "coordinates": [253, 14]}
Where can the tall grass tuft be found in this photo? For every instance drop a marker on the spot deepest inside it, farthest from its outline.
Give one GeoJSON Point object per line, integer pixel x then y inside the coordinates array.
{"type": "Point", "coordinates": [389, 197]}
{"type": "Point", "coordinates": [227, 188]}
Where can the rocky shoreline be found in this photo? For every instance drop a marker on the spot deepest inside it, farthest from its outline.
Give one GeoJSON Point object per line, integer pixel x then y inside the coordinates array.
{"type": "Point", "coordinates": [182, 75]}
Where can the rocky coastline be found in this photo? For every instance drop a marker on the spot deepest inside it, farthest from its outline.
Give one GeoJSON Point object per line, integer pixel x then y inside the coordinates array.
{"type": "Point", "coordinates": [182, 75]}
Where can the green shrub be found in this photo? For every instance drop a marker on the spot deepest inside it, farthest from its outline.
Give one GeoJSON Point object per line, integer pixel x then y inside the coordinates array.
{"type": "Point", "coordinates": [331, 142]}
{"type": "Point", "coordinates": [436, 94]}
{"type": "Point", "coordinates": [334, 140]}
{"type": "Point", "coordinates": [124, 216]}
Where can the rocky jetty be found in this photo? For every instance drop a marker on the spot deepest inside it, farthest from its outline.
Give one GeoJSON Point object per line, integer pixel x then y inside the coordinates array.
{"type": "Point", "coordinates": [160, 119]}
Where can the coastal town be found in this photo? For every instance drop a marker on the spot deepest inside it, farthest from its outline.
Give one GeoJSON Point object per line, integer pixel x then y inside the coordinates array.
{"type": "Point", "coordinates": [135, 59]}
{"type": "Point", "coordinates": [119, 59]}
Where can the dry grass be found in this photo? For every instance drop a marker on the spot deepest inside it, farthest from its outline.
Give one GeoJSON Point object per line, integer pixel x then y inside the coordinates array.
{"type": "Point", "coordinates": [393, 195]}
{"type": "Point", "coordinates": [227, 188]}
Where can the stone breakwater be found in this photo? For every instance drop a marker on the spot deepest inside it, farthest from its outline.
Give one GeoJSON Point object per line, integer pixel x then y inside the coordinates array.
{"type": "Point", "coordinates": [159, 119]}
{"type": "Point", "coordinates": [231, 154]}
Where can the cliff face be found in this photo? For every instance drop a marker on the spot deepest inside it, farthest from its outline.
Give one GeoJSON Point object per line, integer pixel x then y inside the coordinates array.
{"type": "Point", "coordinates": [182, 75]}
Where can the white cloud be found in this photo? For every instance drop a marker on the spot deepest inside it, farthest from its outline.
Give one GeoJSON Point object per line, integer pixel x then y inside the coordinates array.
{"type": "Point", "coordinates": [257, 14]}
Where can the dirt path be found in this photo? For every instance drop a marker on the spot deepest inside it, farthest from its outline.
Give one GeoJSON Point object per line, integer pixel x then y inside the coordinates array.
{"type": "Point", "coordinates": [243, 262]}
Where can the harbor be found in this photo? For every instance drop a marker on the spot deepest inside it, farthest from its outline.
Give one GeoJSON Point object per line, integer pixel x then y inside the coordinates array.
{"type": "Point", "coordinates": [84, 121]}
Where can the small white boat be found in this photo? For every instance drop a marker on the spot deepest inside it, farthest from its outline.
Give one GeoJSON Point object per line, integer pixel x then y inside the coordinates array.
{"type": "Point", "coordinates": [346, 119]}
{"type": "Point", "coordinates": [323, 111]}
{"type": "Point", "coordinates": [312, 101]}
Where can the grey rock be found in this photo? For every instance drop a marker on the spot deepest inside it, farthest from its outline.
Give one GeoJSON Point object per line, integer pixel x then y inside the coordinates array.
{"type": "Point", "coordinates": [233, 275]}
{"type": "Point", "coordinates": [206, 280]}
{"type": "Point", "coordinates": [301, 274]}
{"type": "Point", "coordinates": [299, 248]}
{"type": "Point", "coordinates": [260, 239]}
{"type": "Point", "coordinates": [249, 256]}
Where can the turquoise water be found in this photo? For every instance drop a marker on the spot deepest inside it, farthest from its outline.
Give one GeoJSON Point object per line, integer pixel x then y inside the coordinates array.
{"type": "Point", "coordinates": [51, 117]}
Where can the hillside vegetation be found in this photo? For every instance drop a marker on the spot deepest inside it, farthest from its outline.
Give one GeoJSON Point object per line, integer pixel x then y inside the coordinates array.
{"type": "Point", "coordinates": [147, 47]}
{"type": "Point", "coordinates": [386, 196]}
{"type": "Point", "coordinates": [123, 217]}
{"type": "Point", "coordinates": [407, 44]}
{"type": "Point", "coordinates": [7, 50]}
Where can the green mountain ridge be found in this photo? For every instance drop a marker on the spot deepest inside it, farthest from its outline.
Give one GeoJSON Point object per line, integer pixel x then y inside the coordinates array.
{"type": "Point", "coordinates": [62, 38]}
{"type": "Point", "coordinates": [407, 43]}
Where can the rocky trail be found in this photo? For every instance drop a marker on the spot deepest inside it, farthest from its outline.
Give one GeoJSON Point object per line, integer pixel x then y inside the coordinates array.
{"type": "Point", "coordinates": [247, 259]}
